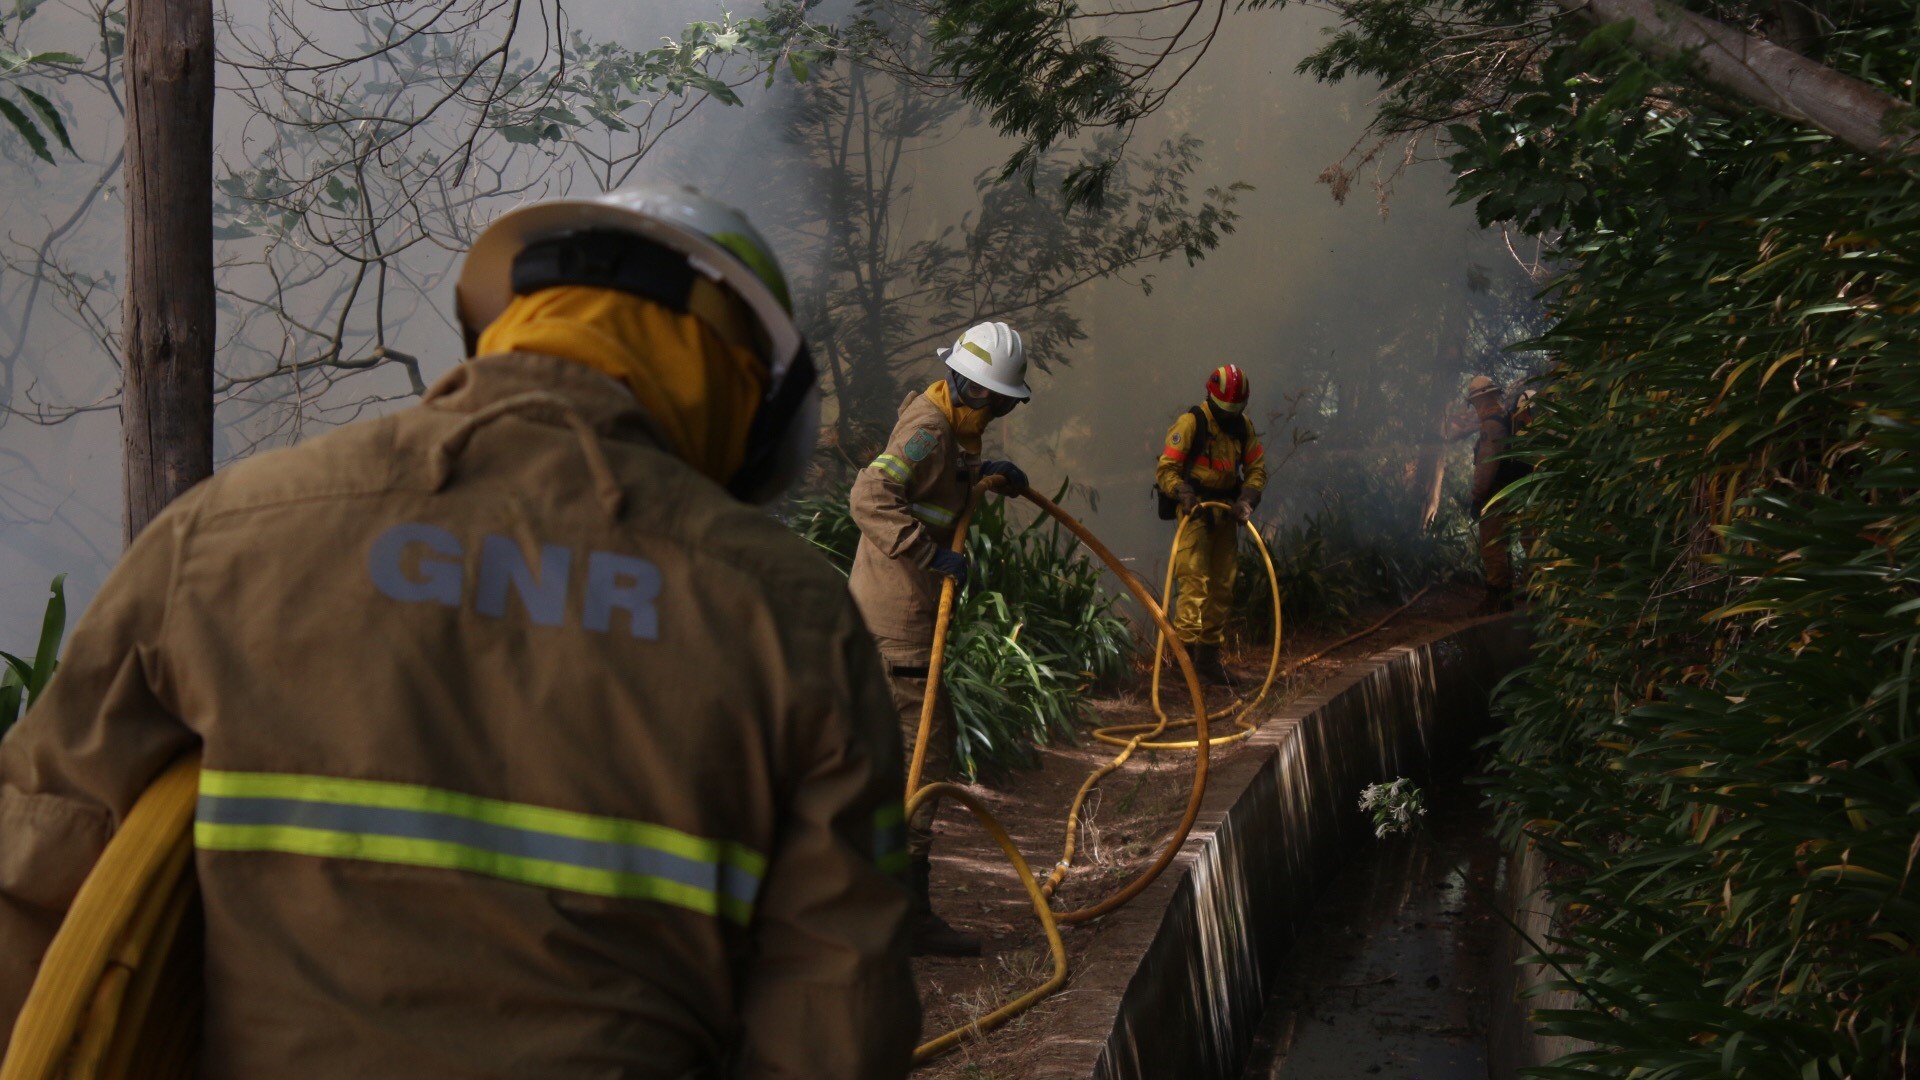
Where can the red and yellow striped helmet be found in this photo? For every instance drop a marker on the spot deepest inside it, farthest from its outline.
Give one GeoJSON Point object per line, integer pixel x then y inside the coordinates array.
{"type": "Point", "coordinates": [1227, 388]}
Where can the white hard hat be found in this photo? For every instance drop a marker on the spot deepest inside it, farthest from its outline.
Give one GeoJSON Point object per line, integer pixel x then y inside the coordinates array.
{"type": "Point", "coordinates": [707, 237]}
{"type": "Point", "coordinates": [990, 354]}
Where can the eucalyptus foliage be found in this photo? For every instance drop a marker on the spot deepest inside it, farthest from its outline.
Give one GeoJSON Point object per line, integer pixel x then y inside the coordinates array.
{"type": "Point", "coordinates": [1033, 631]}
{"type": "Point", "coordinates": [31, 116]}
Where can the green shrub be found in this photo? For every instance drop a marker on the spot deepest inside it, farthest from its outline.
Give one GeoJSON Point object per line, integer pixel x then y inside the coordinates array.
{"type": "Point", "coordinates": [823, 520]}
{"type": "Point", "coordinates": [23, 680]}
{"type": "Point", "coordinates": [1032, 632]}
{"type": "Point", "coordinates": [1716, 742]}
{"type": "Point", "coordinates": [1335, 559]}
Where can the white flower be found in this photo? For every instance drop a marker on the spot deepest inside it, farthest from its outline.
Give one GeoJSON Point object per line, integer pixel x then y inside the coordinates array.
{"type": "Point", "coordinates": [1394, 805]}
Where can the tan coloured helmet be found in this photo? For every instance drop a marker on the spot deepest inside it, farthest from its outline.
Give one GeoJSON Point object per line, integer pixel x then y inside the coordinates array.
{"type": "Point", "coordinates": [678, 248]}
{"type": "Point", "coordinates": [1481, 386]}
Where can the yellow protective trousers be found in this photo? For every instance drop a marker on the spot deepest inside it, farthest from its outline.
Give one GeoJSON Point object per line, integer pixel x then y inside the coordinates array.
{"type": "Point", "coordinates": [1203, 565]}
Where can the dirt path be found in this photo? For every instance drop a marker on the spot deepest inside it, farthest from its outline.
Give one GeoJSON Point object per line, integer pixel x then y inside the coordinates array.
{"type": "Point", "coordinates": [1129, 820]}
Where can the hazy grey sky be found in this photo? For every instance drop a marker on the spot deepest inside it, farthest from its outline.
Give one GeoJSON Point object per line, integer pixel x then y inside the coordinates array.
{"type": "Point", "coordinates": [1301, 278]}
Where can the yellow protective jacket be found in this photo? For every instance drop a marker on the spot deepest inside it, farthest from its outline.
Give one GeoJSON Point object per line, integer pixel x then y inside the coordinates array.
{"type": "Point", "coordinates": [533, 754]}
{"type": "Point", "coordinates": [1226, 464]}
{"type": "Point", "coordinates": [906, 503]}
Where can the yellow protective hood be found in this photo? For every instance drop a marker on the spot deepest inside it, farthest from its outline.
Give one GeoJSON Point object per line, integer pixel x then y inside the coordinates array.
{"type": "Point", "coordinates": [700, 390]}
{"type": "Point", "coordinates": [968, 422]}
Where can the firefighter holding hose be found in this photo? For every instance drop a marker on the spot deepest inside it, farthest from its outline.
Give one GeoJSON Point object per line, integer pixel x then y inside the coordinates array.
{"type": "Point", "coordinates": [907, 503]}
{"type": "Point", "coordinates": [1212, 454]}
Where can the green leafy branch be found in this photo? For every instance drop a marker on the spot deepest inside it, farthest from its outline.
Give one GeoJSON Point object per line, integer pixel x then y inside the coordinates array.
{"type": "Point", "coordinates": [28, 112]}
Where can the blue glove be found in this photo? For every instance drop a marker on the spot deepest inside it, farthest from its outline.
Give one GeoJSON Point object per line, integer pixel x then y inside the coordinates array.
{"type": "Point", "coordinates": [951, 563]}
{"type": "Point", "coordinates": [1014, 482]}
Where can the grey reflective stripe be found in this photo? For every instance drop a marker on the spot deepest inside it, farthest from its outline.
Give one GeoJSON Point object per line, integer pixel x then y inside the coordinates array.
{"type": "Point", "coordinates": [731, 881]}
{"type": "Point", "coordinates": [933, 515]}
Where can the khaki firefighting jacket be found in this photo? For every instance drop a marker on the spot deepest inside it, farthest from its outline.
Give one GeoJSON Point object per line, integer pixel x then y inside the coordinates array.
{"type": "Point", "coordinates": [1226, 465]}
{"type": "Point", "coordinates": [530, 755]}
{"type": "Point", "coordinates": [1486, 460]}
{"type": "Point", "coordinates": [907, 503]}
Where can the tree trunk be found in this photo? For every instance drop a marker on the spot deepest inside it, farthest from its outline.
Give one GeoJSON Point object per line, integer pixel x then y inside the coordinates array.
{"type": "Point", "coordinates": [1756, 70]}
{"type": "Point", "coordinates": [166, 409]}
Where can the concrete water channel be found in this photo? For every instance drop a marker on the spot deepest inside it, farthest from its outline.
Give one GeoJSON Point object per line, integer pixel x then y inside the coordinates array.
{"type": "Point", "coordinates": [1199, 970]}
{"type": "Point", "coordinates": [1394, 976]}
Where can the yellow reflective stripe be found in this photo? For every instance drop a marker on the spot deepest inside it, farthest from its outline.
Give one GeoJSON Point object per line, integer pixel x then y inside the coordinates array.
{"type": "Point", "coordinates": [938, 517]}
{"type": "Point", "coordinates": [890, 840]}
{"type": "Point", "coordinates": [436, 854]}
{"type": "Point", "coordinates": [977, 351]}
{"type": "Point", "coordinates": [422, 826]}
{"type": "Point", "coordinates": [381, 793]}
{"type": "Point", "coordinates": [894, 467]}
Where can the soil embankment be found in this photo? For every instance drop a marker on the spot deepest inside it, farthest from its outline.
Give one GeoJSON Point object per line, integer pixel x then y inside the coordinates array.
{"type": "Point", "coordinates": [1129, 820]}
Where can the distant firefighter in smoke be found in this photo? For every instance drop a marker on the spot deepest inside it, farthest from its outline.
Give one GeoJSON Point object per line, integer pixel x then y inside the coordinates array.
{"type": "Point", "coordinates": [1211, 455]}
{"type": "Point", "coordinates": [1491, 475]}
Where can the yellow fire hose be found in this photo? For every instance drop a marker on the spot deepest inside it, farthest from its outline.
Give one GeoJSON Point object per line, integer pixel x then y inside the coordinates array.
{"type": "Point", "coordinates": [118, 992]}
{"type": "Point", "coordinates": [1242, 706]}
{"type": "Point", "coordinates": [1239, 710]}
{"type": "Point", "coordinates": [1142, 735]}
{"type": "Point", "coordinates": [1049, 919]}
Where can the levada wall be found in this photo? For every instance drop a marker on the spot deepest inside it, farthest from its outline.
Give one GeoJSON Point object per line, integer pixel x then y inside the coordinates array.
{"type": "Point", "coordinates": [1277, 824]}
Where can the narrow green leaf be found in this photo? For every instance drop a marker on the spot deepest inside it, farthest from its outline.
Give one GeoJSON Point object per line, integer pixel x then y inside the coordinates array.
{"type": "Point", "coordinates": [52, 116]}
{"type": "Point", "coordinates": [17, 669]}
{"type": "Point", "coordinates": [53, 626]}
{"type": "Point", "coordinates": [24, 126]}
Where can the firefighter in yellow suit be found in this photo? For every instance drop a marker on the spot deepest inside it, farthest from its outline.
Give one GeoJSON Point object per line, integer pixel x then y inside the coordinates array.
{"type": "Point", "coordinates": [1221, 461]}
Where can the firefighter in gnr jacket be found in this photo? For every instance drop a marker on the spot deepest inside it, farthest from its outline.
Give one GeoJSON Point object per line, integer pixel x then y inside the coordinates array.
{"type": "Point", "coordinates": [1212, 455]}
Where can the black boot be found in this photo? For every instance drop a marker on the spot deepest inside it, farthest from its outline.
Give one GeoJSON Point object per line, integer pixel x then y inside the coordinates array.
{"type": "Point", "coordinates": [1206, 661]}
{"type": "Point", "coordinates": [932, 935]}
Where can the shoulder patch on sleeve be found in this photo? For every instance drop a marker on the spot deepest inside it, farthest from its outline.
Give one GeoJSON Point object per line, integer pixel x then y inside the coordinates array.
{"type": "Point", "coordinates": [920, 445]}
